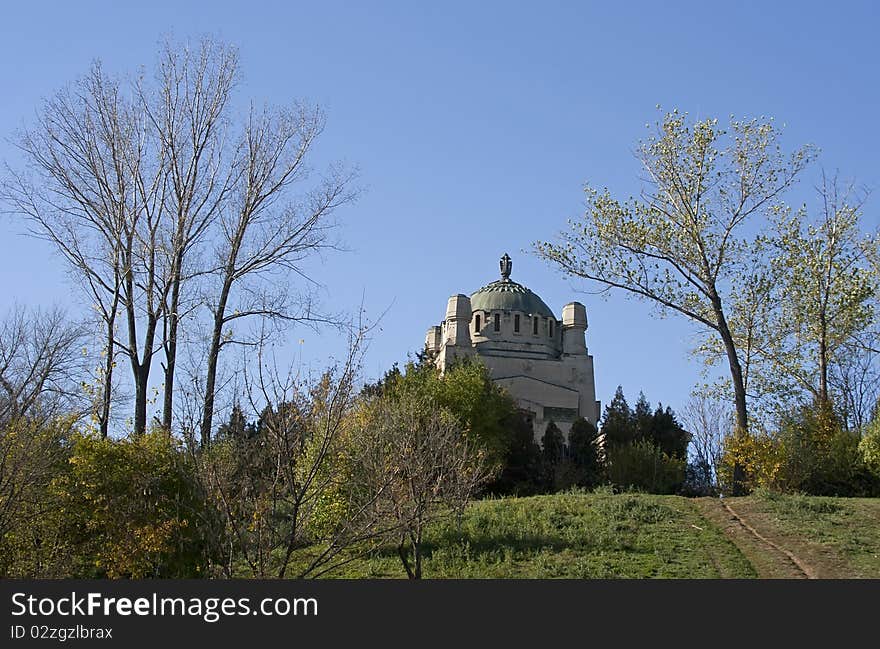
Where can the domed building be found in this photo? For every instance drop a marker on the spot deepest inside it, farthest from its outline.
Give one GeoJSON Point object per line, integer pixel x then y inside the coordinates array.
{"type": "Point", "coordinates": [541, 361]}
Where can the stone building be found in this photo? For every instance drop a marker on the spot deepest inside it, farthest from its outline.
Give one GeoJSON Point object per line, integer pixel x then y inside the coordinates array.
{"type": "Point", "coordinates": [542, 361]}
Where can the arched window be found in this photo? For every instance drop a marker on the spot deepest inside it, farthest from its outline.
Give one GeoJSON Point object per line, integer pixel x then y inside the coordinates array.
{"type": "Point", "coordinates": [516, 323]}
{"type": "Point", "coordinates": [477, 324]}
{"type": "Point", "coordinates": [497, 322]}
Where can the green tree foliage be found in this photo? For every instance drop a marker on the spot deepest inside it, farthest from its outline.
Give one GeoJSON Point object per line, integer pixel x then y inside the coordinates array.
{"type": "Point", "coordinates": [34, 454]}
{"type": "Point", "coordinates": [804, 312]}
{"type": "Point", "coordinates": [237, 427]}
{"type": "Point", "coordinates": [642, 423]}
{"type": "Point", "coordinates": [552, 444]}
{"type": "Point", "coordinates": [283, 493]}
{"type": "Point", "coordinates": [667, 434]}
{"type": "Point", "coordinates": [869, 446]}
{"type": "Point", "coordinates": [556, 470]}
{"type": "Point", "coordinates": [627, 436]}
{"type": "Point", "coordinates": [520, 473]}
{"type": "Point", "coordinates": [643, 466]}
{"type": "Point", "coordinates": [583, 452]}
{"type": "Point", "coordinates": [811, 452]}
{"type": "Point", "coordinates": [621, 426]}
{"type": "Point", "coordinates": [617, 420]}
{"type": "Point", "coordinates": [121, 508]}
{"type": "Point", "coordinates": [827, 284]}
{"type": "Point", "coordinates": [482, 408]}
{"type": "Point", "coordinates": [414, 456]}
{"type": "Point", "coordinates": [684, 243]}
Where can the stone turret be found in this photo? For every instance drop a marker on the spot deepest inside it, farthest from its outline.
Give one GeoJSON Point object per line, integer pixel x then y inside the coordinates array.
{"type": "Point", "coordinates": [434, 339]}
{"type": "Point", "coordinates": [574, 327]}
{"type": "Point", "coordinates": [456, 334]}
{"type": "Point", "coordinates": [458, 320]}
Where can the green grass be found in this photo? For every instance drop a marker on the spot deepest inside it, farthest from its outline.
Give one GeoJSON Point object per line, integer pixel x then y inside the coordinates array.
{"type": "Point", "coordinates": [849, 527]}
{"type": "Point", "coordinates": [597, 535]}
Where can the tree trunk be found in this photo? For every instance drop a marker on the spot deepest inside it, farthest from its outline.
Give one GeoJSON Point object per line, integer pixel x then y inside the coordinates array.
{"type": "Point", "coordinates": [104, 415]}
{"type": "Point", "coordinates": [739, 390]}
{"type": "Point", "coordinates": [736, 373]}
{"type": "Point", "coordinates": [213, 361]}
{"type": "Point", "coordinates": [417, 559]}
{"type": "Point", "coordinates": [140, 398]}
{"type": "Point", "coordinates": [401, 552]}
{"type": "Point", "coordinates": [171, 350]}
{"type": "Point", "coordinates": [823, 362]}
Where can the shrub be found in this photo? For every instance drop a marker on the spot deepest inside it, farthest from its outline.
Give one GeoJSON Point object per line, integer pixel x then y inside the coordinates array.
{"type": "Point", "coordinates": [869, 446]}
{"type": "Point", "coordinates": [641, 465]}
{"type": "Point", "coordinates": [132, 508]}
{"type": "Point", "coordinates": [810, 453]}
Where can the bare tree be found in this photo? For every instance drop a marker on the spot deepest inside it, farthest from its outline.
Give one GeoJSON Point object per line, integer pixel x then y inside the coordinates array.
{"type": "Point", "coordinates": [136, 183]}
{"type": "Point", "coordinates": [282, 489]}
{"type": "Point", "coordinates": [187, 114]}
{"type": "Point", "coordinates": [422, 467]}
{"type": "Point", "coordinates": [709, 421]}
{"type": "Point", "coordinates": [854, 380]}
{"type": "Point", "coordinates": [97, 192]}
{"type": "Point", "coordinates": [41, 365]}
{"type": "Point", "coordinates": [266, 234]}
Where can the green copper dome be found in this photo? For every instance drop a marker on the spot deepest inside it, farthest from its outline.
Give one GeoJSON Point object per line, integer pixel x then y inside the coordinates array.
{"type": "Point", "coordinates": [507, 295]}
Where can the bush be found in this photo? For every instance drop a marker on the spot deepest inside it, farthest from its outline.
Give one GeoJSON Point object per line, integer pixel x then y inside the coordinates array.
{"type": "Point", "coordinates": [869, 446]}
{"type": "Point", "coordinates": [641, 465]}
{"type": "Point", "coordinates": [810, 453]}
{"type": "Point", "coordinates": [132, 508]}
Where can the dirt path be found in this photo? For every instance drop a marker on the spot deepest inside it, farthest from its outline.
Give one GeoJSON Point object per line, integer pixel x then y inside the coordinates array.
{"type": "Point", "coordinates": [769, 558]}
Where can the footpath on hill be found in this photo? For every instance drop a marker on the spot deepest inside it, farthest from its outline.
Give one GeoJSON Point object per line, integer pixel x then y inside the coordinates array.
{"type": "Point", "coordinates": [799, 539]}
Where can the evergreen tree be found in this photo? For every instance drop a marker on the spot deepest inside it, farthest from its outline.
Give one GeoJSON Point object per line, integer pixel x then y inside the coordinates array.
{"type": "Point", "coordinates": [387, 381]}
{"type": "Point", "coordinates": [617, 420]}
{"type": "Point", "coordinates": [521, 472]}
{"type": "Point", "coordinates": [237, 428]}
{"type": "Point", "coordinates": [584, 452]}
{"type": "Point", "coordinates": [552, 444]}
{"type": "Point", "coordinates": [667, 434]}
{"type": "Point", "coordinates": [642, 420]}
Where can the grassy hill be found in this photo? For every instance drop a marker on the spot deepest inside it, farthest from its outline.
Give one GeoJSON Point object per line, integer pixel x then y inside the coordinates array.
{"type": "Point", "coordinates": [601, 535]}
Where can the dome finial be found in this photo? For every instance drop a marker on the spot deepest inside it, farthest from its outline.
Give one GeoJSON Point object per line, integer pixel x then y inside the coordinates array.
{"type": "Point", "coordinates": [506, 266]}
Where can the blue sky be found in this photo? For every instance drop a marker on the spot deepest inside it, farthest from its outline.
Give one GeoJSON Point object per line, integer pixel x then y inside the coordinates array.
{"type": "Point", "coordinates": [475, 126]}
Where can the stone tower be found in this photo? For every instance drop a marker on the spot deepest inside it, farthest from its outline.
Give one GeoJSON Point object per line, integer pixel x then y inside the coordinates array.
{"type": "Point", "coordinates": [542, 362]}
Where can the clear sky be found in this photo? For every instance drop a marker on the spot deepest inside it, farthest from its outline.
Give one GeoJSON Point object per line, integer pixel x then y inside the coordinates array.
{"type": "Point", "coordinates": [475, 126]}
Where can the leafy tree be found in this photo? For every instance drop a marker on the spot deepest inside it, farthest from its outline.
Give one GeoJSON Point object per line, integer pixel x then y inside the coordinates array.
{"type": "Point", "coordinates": [869, 446]}
{"type": "Point", "coordinates": [827, 287]}
{"type": "Point", "coordinates": [237, 427]}
{"type": "Point", "coordinates": [388, 380]}
{"type": "Point", "coordinates": [803, 314]}
{"type": "Point", "coordinates": [685, 241]}
{"type": "Point", "coordinates": [132, 508]}
{"type": "Point", "coordinates": [642, 465]}
{"type": "Point", "coordinates": [810, 453]}
{"type": "Point", "coordinates": [414, 456]}
{"type": "Point", "coordinates": [287, 487]}
{"type": "Point", "coordinates": [466, 390]}
{"type": "Point", "coordinates": [35, 452]}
